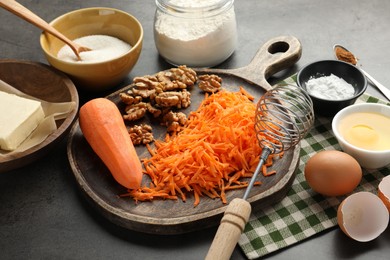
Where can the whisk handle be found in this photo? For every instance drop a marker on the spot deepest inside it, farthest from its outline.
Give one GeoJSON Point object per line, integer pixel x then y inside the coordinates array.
{"type": "Point", "coordinates": [229, 231]}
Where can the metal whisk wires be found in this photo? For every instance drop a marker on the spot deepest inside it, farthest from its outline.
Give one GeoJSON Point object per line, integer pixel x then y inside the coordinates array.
{"type": "Point", "coordinates": [283, 117]}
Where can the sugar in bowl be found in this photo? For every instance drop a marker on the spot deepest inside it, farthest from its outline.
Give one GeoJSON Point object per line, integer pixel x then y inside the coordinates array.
{"type": "Point", "coordinates": [198, 33]}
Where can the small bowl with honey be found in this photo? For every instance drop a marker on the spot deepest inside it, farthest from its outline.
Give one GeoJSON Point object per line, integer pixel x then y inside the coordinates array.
{"type": "Point", "coordinates": [332, 85]}
{"type": "Point", "coordinates": [363, 131]}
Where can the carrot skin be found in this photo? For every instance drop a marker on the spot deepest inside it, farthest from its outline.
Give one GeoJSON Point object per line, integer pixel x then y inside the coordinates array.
{"type": "Point", "coordinates": [104, 129]}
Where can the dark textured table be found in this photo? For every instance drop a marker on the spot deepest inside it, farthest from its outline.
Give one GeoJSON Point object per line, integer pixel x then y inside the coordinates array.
{"type": "Point", "coordinates": [43, 215]}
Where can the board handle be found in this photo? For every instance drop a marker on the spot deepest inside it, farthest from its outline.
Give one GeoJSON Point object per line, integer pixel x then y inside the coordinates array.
{"type": "Point", "coordinates": [230, 229]}
{"type": "Point", "coordinates": [275, 55]}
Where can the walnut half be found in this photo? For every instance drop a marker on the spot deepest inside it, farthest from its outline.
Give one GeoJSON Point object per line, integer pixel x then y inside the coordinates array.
{"type": "Point", "coordinates": [141, 134]}
{"type": "Point", "coordinates": [130, 100]}
{"type": "Point", "coordinates": [210, 83]}
{"type": "Point", "coordinates": [178, 99]}
{"type": "Point", "coordinates": [135, 111]}
{"type": "Point", "coordinates": [174, 121]}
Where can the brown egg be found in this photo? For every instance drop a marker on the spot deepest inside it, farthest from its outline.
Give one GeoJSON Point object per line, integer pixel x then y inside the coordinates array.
{"type": "Point", "coordinates": [333, 173]}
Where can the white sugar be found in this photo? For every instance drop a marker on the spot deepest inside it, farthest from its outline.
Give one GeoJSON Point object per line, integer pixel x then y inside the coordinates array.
{"type": "Point", "coordinates": [103, 48]}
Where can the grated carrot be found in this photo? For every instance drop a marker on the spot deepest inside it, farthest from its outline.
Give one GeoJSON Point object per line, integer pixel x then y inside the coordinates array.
{"type": "Point", "coordinates": [215, 150]}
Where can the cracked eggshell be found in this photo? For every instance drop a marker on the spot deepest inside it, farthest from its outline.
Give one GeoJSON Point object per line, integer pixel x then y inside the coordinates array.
{"type": "Point", "coordinates": [384, 191]}
{"type": "Point", "coordinates": [362, 216]}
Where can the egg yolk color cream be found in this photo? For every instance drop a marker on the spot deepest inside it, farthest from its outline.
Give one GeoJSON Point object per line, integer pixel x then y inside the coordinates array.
{"type": "Point", "coordinates": [370, 131]}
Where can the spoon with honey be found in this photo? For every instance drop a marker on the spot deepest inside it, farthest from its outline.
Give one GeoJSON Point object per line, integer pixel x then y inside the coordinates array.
{"type": "Point", "coordinates": [21, 11]}
{"type": "Point", "coordinates": [345, 55]}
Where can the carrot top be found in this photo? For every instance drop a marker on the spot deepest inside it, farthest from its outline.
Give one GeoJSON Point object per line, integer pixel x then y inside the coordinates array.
{"type": "Point", "coordinates": [210, 155]}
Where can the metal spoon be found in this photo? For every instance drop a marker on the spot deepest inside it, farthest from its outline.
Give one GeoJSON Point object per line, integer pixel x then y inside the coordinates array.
{"type": "Point", "coordinates": [21, 11]}
{"type": "Point", "coordinates": [350, 58]}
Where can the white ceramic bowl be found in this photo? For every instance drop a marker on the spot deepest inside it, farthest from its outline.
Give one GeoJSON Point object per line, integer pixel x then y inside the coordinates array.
{"type": "Point", "coordinates": [367, 158]}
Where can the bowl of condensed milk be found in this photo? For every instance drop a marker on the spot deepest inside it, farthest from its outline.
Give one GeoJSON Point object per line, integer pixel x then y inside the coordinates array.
{"type": "Point", "coordinates": [363, 131]}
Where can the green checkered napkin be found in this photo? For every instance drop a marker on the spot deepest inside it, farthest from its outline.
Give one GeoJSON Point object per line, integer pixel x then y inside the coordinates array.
{"type": "Point", "coordinates": [303, 212]}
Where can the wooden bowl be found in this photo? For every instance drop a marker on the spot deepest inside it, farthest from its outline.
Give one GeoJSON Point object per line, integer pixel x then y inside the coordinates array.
{"type": "Point", "coordinates": [45, 83]}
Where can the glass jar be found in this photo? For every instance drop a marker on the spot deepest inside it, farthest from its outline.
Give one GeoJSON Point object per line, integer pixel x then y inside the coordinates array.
{"type": "Point", "coordinates": [197, 33]}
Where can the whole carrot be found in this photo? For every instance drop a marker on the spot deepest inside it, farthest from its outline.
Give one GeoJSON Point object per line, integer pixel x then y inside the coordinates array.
{"type": "Point", "coordinates": [104, 129]}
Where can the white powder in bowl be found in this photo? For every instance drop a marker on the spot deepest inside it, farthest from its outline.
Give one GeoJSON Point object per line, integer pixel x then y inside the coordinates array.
{"type": "Point", "coordinates": [199, 40]}
{"type": "Point", "coordinates": [330, 87]}
{"type": "Point", "coordinates": [103, 48]}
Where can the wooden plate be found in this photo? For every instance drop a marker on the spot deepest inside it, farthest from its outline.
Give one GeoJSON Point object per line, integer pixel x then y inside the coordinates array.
{"type": "Point", "coordinates": [46, 83]}
{"type": "Point", "coordinates": [174, 217]}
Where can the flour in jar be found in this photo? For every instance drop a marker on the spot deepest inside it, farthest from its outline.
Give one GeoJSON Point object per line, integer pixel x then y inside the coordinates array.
{"type": "Point", "coordinates": [198, 37]}
{"type": "Point", "coordinates": [330, 87]}
{"type": "Point", "coordinates": [103, 48]}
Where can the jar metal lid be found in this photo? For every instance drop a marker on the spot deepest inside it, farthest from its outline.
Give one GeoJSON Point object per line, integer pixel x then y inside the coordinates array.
{"type": "Point", "coordinates": [187, 10]}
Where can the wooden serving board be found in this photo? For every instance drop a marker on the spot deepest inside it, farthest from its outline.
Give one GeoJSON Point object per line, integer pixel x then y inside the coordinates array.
{"type": "Point", "coordinates": [175, 217]}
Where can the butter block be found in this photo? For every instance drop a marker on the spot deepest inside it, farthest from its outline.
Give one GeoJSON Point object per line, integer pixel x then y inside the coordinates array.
{"type": "Point", "coordinates": [18, 118]}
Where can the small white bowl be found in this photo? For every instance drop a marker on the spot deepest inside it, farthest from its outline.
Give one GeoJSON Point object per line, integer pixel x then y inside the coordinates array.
{"type": "Point", "coordinates": [367, 158]}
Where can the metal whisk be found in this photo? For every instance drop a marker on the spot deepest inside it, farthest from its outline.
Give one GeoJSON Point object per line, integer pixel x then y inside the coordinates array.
{"type": "Point", "coordinates": [283, 117]}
